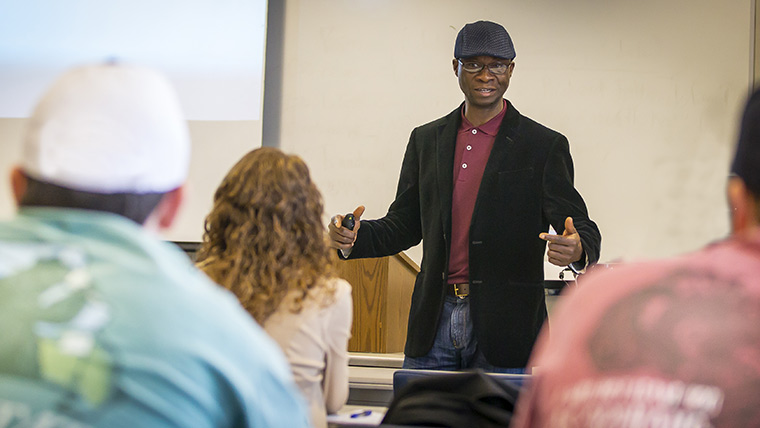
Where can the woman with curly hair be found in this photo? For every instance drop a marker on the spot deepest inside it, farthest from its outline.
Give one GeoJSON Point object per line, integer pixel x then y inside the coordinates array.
{"type": "Point", "coordinates": [265, 241]}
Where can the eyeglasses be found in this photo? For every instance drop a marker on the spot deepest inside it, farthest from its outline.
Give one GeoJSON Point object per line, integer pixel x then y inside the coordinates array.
{"type": "Point", "coordinates": [475, 67]}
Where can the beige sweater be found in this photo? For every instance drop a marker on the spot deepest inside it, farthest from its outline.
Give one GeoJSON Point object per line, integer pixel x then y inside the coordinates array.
{"type": "Point", "coordinates": [315, 341]}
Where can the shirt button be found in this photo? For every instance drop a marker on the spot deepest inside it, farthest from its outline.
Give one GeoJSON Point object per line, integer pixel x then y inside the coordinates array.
{"type": "Point", "coordinates": [469, 147]}
{"type": "Point", "coordinates": [474, 131]}
{"type": "Point", "coordinates": [464, 165]}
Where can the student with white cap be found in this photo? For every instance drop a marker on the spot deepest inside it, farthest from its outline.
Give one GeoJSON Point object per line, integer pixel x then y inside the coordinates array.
{"type": "Point", "coordinates": [103, 324]}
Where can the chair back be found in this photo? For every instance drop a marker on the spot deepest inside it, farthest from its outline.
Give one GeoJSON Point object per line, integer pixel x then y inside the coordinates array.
{"type": "Point", "coordinates": [453, 399]}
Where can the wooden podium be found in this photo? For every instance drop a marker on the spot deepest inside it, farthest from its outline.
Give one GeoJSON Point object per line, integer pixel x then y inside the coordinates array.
{"type": "Point", "coordinates": [382, 293]}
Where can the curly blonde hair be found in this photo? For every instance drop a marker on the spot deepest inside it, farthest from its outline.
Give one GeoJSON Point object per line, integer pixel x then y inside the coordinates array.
{"type": "Point", "coordinates": [264, 237]}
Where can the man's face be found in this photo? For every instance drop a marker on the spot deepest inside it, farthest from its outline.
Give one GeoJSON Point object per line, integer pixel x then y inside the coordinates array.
{"type": "Point", "coordinates": [484, 88]}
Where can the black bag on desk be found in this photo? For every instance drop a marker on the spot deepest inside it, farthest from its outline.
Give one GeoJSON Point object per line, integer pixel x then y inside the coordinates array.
{"type": "Point", "coordinates": [460, 400]}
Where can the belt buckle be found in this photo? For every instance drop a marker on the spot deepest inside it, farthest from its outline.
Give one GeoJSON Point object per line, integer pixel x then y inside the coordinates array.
{"type": "Point", "coordinates": [460, 294]}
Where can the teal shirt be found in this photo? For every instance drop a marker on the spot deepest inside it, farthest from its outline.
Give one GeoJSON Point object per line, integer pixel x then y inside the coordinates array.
{"type": "Point", "coordinates": [104, 325]}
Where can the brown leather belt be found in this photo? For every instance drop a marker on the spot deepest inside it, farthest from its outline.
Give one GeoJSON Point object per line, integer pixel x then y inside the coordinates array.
{"type": "Point", "coordinates": [459, 290]}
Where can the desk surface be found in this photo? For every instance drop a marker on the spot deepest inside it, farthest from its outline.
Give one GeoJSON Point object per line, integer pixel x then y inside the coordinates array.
{"type": "Point", "coordinates": [376, 359]}
{"type": "Point", "coordinates": [370, 386]}
{"type": "Point", "coordinates": [344, 416]}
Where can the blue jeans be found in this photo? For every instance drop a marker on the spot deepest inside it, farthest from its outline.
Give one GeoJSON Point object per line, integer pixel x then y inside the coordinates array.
{"type": "Point", "coordinates": [455, 346]}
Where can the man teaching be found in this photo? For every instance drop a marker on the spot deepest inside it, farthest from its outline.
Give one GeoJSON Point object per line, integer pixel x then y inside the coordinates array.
{"type": "Point", "coordinates": [479, 187]}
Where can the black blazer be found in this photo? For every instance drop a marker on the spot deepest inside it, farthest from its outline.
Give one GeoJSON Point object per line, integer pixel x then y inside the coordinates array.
{"type": "Point", "coordinates": [527, 185]}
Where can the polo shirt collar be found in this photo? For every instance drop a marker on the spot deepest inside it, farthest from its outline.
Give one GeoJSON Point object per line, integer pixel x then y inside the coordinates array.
{"type": "Point", "coordinates": [489, 128]}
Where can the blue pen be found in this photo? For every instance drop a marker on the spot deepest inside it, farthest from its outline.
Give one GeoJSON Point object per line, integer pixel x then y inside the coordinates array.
{"type": "Point", "coordinates": [361, 413]}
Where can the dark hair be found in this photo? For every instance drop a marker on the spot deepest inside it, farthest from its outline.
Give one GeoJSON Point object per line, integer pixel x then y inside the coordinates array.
{"type": "Point", "coordinates": [134, 206]}
{"type": "Point", "coordinates": [746, 162]}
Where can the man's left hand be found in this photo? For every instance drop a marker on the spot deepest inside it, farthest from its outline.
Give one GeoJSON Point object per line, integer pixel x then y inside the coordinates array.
{"type": "Point", "coordinates": [566, 248]}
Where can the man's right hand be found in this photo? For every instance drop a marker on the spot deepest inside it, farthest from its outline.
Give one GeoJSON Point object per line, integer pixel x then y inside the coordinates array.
{"type": "Point", "coordinates": [340, 237]}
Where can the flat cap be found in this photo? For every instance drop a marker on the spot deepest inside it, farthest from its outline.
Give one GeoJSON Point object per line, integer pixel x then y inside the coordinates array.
{"type": "Point", "coordinates": [484, 38]}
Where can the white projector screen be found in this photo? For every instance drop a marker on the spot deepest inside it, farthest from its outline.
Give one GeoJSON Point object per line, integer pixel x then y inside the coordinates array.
{"type": "Point", "coordinates": [212, 51]}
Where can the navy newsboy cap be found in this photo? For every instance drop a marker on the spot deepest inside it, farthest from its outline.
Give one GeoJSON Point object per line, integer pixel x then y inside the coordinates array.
{"type": "Point", "coordinates": [746, 162]}
{"type": "Point", "coordinates": [484, 38]}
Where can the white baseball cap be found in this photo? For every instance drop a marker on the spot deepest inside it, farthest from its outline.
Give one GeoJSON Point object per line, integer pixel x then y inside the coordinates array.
{"type": "Point", "coordinates": [109, 128]}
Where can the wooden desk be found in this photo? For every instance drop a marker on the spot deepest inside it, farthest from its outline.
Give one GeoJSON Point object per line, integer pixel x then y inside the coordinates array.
{"type": "Point", "coordinates": [382, 293]}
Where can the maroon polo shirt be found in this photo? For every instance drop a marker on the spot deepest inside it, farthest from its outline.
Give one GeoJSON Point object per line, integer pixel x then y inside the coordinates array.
{"type": "Point", "coordinates": [473, 147]}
